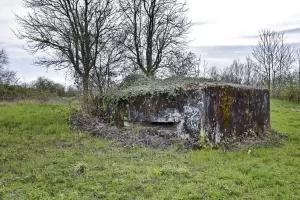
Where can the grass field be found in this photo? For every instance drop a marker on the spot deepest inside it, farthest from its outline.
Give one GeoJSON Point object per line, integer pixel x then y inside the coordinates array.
{"type": "Point", "coordinates": [41, 159]}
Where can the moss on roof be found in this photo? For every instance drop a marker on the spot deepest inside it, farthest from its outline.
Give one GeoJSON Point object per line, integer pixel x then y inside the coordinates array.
{"type": "Point", "coordinates": [169, 86]}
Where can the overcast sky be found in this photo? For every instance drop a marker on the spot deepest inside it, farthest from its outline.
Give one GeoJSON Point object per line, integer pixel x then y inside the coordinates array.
{"type": "Point", "coordinates": [222, 30]}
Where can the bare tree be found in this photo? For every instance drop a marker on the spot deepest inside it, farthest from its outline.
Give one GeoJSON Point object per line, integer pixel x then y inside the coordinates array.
{"type": "Point", "coordinates": [205, 63]}
{"type": "Point", "coordinates": [198, 66]}
{"type": "Point", "coordinates": [181, 63]}
{"type": "Point", "coordinates": [213, 73]}
{"type": "Point", "coordinates": [286, 58]}
{"type": "Point", "coordinates": [274, 56]}
{"type": "Point", "coordinates": [3, 57]}
{"type": "Point", "coordinates": [242, 73]}
{"type": "Point", "coordinates": [6, 76]}
{"type": "Point", "coordinates": [234, 73]}
{"type": "Point", "coordinates": [73, 33]}
{"type": "Point", "coordinates": [250, 74]}
{"type": "Point", "coordinates": [108, 64]}
{"type": "Point", "coordinates": [248, 69]}
{"type": "Point", "coordinates": [265, 53]}
{"type": "Point", "coordinates": [152, 28]}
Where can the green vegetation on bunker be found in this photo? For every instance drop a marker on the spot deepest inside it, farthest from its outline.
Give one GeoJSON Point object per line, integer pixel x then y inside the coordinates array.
{"type": "Point", "coordinates": [41, 159]}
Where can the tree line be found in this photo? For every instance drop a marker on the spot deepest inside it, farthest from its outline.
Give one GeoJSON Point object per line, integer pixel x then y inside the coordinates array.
{"type": "Point", "coordinates": [11, 87]}
{"type": "Point", "coordinates": [274, 64]}
{"type": "Point", "coordinates": [103, 41]}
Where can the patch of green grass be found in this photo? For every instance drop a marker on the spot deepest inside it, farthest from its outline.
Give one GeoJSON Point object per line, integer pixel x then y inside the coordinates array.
{"type": "Point", "coordinates": [41, 159]}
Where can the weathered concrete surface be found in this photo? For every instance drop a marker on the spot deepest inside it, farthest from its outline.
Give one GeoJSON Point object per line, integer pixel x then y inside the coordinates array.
{"type": "Point", "coordinates": [214, 111]}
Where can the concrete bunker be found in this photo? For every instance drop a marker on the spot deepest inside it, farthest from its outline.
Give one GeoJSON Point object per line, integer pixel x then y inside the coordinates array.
{"type": "Point", "coordinates": [210, 111]}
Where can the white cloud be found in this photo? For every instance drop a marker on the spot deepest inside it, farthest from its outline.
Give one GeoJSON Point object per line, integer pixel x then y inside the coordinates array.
{"type": "Point", "coordinates": [234, 18]}
{"type": "Point", "coordinates": [217, 23]}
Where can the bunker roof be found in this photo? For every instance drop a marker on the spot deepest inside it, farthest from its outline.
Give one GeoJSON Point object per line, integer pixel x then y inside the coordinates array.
{"type": "Point", "coordinates": [169, 86]}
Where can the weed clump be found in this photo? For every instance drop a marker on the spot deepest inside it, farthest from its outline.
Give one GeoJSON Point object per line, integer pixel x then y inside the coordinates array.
{"type": "Point", "coordinates": [80, 168]}
{"type": "Point", "coordinates": [131, 136]}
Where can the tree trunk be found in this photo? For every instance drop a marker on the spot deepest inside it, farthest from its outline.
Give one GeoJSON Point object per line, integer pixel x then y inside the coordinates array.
{"type": "Point", "coordinates": [269, 78]}
{"type": "Point", "coordinates": [86, 96]}
{"type": "Point", "coordinates": [149, 74]}
{"type": "Point", "coordinates": [273, 80]}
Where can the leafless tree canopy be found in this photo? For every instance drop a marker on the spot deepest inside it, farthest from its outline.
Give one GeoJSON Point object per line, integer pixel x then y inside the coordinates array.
{"type": "Point", "coordinates": [109, 64]}
{"type": "Point", "coordinates": [3, 57]}
{"type": "Point", "coordinates": [72, 32]}
{"type": "Point", "coordinates": [6, 76]}
{"type": "Point", "coordinates": [181, 63]}
{"type": "Point", "coordinates": [152, 28]}
{"type": "Point", "coordinates": [234, 73]}
{"type": "Point", "coordinates": [242, 73]}
{"type": "Point", "coordinates": [251, 76]}
{"type": "Point", "coordinates": [273, 54]}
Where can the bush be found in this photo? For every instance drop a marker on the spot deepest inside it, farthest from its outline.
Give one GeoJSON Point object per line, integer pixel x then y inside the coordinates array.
{"type": "Point", "coordinates": [291, 93]}
{"type": "Point", "coordinates": [43, 84]}
{"type": "Point", "coordinates": [132, 80]}
{"type": "Point", "coordinates": [16, 92]}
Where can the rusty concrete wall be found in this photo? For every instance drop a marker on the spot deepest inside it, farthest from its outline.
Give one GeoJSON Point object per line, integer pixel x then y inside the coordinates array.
{"type": "Point", "coordinates": [235, 112]}
{"type": "Point", "coordinates": [153, 108]}
{"type": "Point", "coordinates": [215, 112]}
